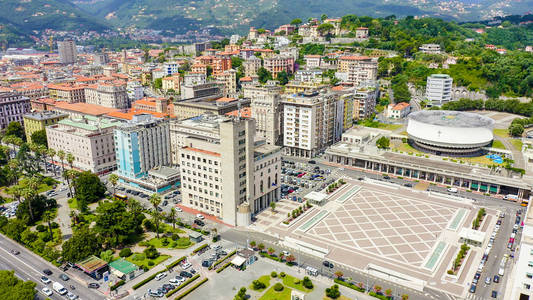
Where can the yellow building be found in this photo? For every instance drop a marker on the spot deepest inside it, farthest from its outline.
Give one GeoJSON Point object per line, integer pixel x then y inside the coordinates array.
{"type": "Point", "coordinates": [348, 110]}
{"type": "Point", "coordinates": [39, 120]}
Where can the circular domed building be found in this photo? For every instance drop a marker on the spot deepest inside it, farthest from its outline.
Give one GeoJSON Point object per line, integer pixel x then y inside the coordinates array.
{"type": "Point", "coordinates": [450, 133]}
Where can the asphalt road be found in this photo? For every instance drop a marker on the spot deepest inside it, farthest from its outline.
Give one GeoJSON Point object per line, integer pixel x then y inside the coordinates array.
{"type": "Point", "coordinates": [29, 266]}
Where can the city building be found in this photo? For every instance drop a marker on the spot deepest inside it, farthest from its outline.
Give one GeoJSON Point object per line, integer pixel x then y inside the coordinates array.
{"type": "Point", "coordinates": [521, 285]}
{"type": "Point", "coordinates": [452, 133]}
{"type": "Point", "coordinates": [135, 91]}
{"type": "Point", "coordinates": [12, 108]}
{"type": "Point", "coordinates": [171, 83]}
{"type": "Point", "coordinates": [308, 76]}
{"type": "Point", "coordinates": [170, 68]}
{"type": "Point", "coordinates": [310, 123]}
{"type": "Point", "coordinates": [398, 111]}
{"type": "Point", "coordinates": [39, 120]}
{"type": "Point", "coordinates": [225, 173]}
{"type": "Point", "coordinates": [365, 97]}
{"type": "Point", "coordinates": [154, 105]}
{"type": "Point", "coordinates": [430, 48]}
{"type": "Point", "coordinates": [79, 110]}
{"type": "Point", "coordinates": [89, 139]}
{"type": "Point", "coordinates": [251, 65]}
{"type": "Point", "coordinates": [266, 111]}
{"type": "Point", "coordinates": [100, 59]}
{"type": "Point", "coordinates": [71, 93]}
{"type": "Point", "coordinates": [278, 63]}
{"type": "Point", "coordinates": [32, 90]}
{"type": "Point", "coordinates": [312, 61]}
{"type": "Point", "coordinates": [229, 80]}
{"type": "Point", "coordinates": [142, 147]}
{"type": "Point", "coordinates": [200, 90]}
{"type": "Point", "coordinates": [361, 33]}
{"type": "Point", "coordinates": [111, 95]}
{"type": "Point", "coordinates": [439, 89]}
{"type": "Point", "coordinates": [357, 69]}
{"type": "Point", "coordinates": [216, 104]}
{"type": "Point", "coordinates": [68, 53]}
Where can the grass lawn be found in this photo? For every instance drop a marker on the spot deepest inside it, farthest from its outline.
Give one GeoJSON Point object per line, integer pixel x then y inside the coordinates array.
{"type": "Point", "coordinates": [264, 279]}
{"type": "Point", "coordinates": [376, 124]}
{"type": "Point", "coordinates": [498, 144]}
{"type": "Point", "coordinates": [477, 160]}
{"type": "Point", "coordinates": [289, 281]}
{"type": "Point", "coordinates": [342, 297]}
{"type": "Point", "coordinates": [181, 243]}
{"type": "Point", "coordinates": [73, 203]}
{"type": "Point", "coordinates": [501, 132]}
{"type": "Point", "coordinates": [405, 147]}
{"type": "Point", "coordinates": [140, 259]}
{"type": "Point", "coordinates": [517, 143]}
{"type": "Point", "coordinates": [271, 294]}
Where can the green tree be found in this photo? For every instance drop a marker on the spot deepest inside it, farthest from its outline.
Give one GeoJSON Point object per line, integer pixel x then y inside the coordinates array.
{"type": "Point", "coordinates": [323, 17]}
{"type": "Point", "coordinates": [83, 243]}
{"type": "Point", "coordinates": [39, 137]}
{"type": "Point", "coordinates": [241, 295]}
{"type": "Point", "coordinates": [325, 29]}
{"type": "Point", "coordinates": [516, 130]}
{"type": "Point", "coordinates": [61, 155]}
{"type": "Point", "coordinates": [113, 179]}
{"type": "Point", "coordinates": [264, 75]}
{"type": "Point", "coordinates": [107, 255]}
{"type": "Point", "coordinates": [51, 153]}
{"type": "Point", "coordinates": [13, 288]}
{"type": "Point", "coordinates": [15, 129]}
{"type": "Point", "coordinates": [236, 62]}
{"type": "Point", "coordinates": [115, 224]}
{"type": "Point", "coordinates": [273, 206]}
{"type": "Point", "coordinates": [172, 217]}
{"type": "Point", "coordinates": [155, 199]}
{"type": "Point", "coordinates": [88, 187]}
{"type": "Point", "coordinates": [383, 143]}
{"type": "Point", "coordinates": [158, 83]}
{"type": "Point", "coordinates": [333, 292]}
{"type": "Point", "coordinates": [296, 22]}
{"type": "Point", "coordinates": [283, 78]}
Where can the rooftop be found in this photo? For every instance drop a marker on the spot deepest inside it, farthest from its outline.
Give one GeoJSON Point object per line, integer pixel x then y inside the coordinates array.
{"type": "Point", "coordinates": [84, 108]}
{"type": "Point", "coordinates": [91, 264]}
{"type": "Point", "coordinates": [123, 266]}
{"type": "Point", "coordinates": [450, 118]}
{"type": "Point", "coordinates": [44, 115]}
{"type": "Point", "coordinates": [89, 123]}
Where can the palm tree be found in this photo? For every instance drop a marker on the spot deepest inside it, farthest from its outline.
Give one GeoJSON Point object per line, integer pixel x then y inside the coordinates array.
{"type": "Point", "coordinates": [172, 217]}
{"type": "Point", "coordinates": [271, 251]}
{"type": "Point", "coordinates": [16, 191]}
{"type": "Point", "coordinates": [252, 244]}
{"type": "Point", "coordinates": [14, 165]}
{"type": "Point", "coordinates": [43, 152]}
{"type": "Point", "coordinates": [61, 155]}
{"type": "Point", "coordinates": [68, 175]}
{"type": "Point", "coordinates": [51, 152]}
{"type": "Point", "coordinates": [30, 190]}
{"type": "Point", "coordinates": [70, 159]}
{"type": "Point", "coordinates": [48, 217]}
{"type": "Point", "coordinates": [113, 179]}
{"type": "Point", "coordinates": [155, 199]}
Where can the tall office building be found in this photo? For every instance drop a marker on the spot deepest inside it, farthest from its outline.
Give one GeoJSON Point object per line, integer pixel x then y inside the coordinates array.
{"type": "Point", "coordinates": [266, 110]}
{"type": "Point", "coordinates": [141, 145]}
{"type": "Point", "coordinates": [439, 89]}
{"type": "Point", "coordinates": [223, 169]}
{"type": "Point", "coordinates": [67, 51]}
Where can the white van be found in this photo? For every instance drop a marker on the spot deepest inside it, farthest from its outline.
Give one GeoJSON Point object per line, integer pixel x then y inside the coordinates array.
{"type": "Point", "coordinates": [510, 197]}
{"type": "Point", "coordinates": [452, 190]}
{"type": "Point", "coordinates": [501, 271]}
{"type": "Point", "coordinates": [59, 288]}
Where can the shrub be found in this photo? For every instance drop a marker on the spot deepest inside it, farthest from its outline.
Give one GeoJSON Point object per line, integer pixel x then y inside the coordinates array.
{"type": "Point", "coordinates": [333, 292]}
{"type": "Point", "coordinates": [117, 285]}
{"type": "Point", "coordinates": [282, 274]}
{"type": "Point", "coordinates": [278, 287]}
{"type": "Point", "coordinates": [139, 257]}
{"type": "Point", "coordinates": [199, 248]}
{"type": "Point", "coordinates": [274, 274]}
{"type": "Point", "coordinates": [172, 292]}
{"type": "Point", "coordinates": [176, 262]}
{"type": "Point", "coordinates": [307, 283]}
{"type": "Point", "coordinates": [40, 228]}
{"type": "Point", "coordinates": [257, 285]}
{"type": "Point", "coordinates": [125, 252]}
{"type": "Point", "coordinates": [175, 237]}
{"type": "Point", "coordinates": [165, 242]}
{"type": "Point", "coordinates": [151, 263]}
{"type": "Point", "coordinates": [450, 272]}
{"type": "Point", "coordinates": [54, 225]}
{"type": "Point", "coordinates": [148, 225]}
{"type": "Point", "coordinates": [191, 289]}
{"type": "Point", "coordinates": [183, 242]}
{"type": "Point", "coordinates": [151, 252]}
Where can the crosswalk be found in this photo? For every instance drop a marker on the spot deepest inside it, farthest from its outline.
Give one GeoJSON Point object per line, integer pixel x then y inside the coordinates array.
{"type": "Point", "coordinates": [471, 296]}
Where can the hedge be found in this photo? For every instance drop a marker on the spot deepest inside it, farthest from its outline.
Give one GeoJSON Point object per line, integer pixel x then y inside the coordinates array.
{"type": "Point", "coordinates": [223, 267]}
{"type": "Point", "coordinates": [182, 285]}
{"type": "Point", "coordinates": [349, 285]}
{"type": "Point", "coordinates": [199, 248]}
{"type": "Point", "coordinates": [117, 284]}
{"type": "Point", "coordinates": [187, 292]}
{"type": "Point", "coordinates": [218, 262]}
{"type": "Point", "coordinates": [375, 295]}
{"type": "Point", "coordinates": [173, 264]}
{"type": "Point", "coordinates": [138, 285]}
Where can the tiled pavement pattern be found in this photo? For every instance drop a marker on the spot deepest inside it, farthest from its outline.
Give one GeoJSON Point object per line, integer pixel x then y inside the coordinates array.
{"type": "Point", "coordinates": [391, 226]}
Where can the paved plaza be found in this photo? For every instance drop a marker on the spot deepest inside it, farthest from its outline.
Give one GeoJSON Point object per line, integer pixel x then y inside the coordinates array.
{"type": "Point", "coordinates": [406, 235]}
{"type": "Point", "coordinates": [390, 226]}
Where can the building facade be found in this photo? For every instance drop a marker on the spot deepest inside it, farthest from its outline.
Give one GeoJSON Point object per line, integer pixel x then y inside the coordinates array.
{"type": "Point", "coordinates": [266, 110]}
{"type": "Point", "coordinates": [108, 95]}
{"type": "Point", "coordinates": [439, 89]}
{"type": "Point", "coordinates": [39, 120]}
{"type": "Point", "coordinates": [251, 66]}
{"type": "Point", "coordinates": [68, 53]}
{"type": "Point", "coordinates": [89, 139]}
{"type": "Point", "coordinates": [12, 108]}
{"type": "Point", "coordinates": [278, 63]}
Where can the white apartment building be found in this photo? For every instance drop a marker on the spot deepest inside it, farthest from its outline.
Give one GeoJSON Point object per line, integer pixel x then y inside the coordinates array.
{"type": "Point", "coordinates": [310, 122]}
{"type": "Point", "coordinates": [229, 80]}
{"type": "Point", "coordinates": [312, 61]}
{"type": "Point", "coordinates": [520, 282]}
{"type": "Point", "coordinates": [251, 66]}
{"type": "Point", "coordinates": [430, 48]}
{"type": "Point", "coordinates": [365, 98]}
{"type": "Point", "coordinates": [108, 95]}
{"type": "Point", "coordinates": [266, 111]}
{"type": "Point", "coordinates": [135, 91]}
{"type": "Point", "coordinates": [13, 107]}
{"type": "Point", "coordinates": [89, 139]}
{"type": "Point", "coordinates": [439, 89]}
{"type": "Point", "coordinates": [68, 53]}
{"type": "Point", "coordinates": [314, 76]}
{"type": "Point", "coordinates": [170, 68]}
{"type": "Point", "coordinates": [357, 69]}
{"type": "Point", "coordinates": [223, 169]}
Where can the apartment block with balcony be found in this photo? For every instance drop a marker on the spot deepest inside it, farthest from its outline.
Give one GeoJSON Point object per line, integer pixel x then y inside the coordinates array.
{"type": "Point", "coordinates": [266, 111]}
{"type": "Point", "coordinates": [13, 107]}
{"type": "Point", "coordinates": [108, 95]}
{"type": "Point", "coordinates": [278, 63]}
{"type": "Point", "coordinates": [39, 120]}
{"type": "Point", "coordinates": [439, 89]}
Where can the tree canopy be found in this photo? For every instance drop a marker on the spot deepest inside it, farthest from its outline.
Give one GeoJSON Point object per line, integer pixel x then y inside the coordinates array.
{"type": "Point", "coordinates": [82, 244]}
{"type": "Point", "coordinates": [89, 188]}
{"type": "Point", "coordinates": [15, 129]}
{"type": "Point", "coordinates": [13, 288]}
{"type": "Point", "coordinates": [116, 224]}
{"type": "Point", "coordinates": [39, 138]}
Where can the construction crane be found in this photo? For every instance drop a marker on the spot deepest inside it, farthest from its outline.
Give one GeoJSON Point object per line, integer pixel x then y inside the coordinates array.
{"type": "Point", "coordinates": [51, 43]}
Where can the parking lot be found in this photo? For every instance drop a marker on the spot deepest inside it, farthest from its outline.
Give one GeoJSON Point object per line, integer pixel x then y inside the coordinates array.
{"type": "Point", "coordinates": [298, 179]}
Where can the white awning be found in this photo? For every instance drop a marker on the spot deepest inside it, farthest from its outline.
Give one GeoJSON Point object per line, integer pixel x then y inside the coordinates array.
{"type": "Point", "coordinates": [238, 261]}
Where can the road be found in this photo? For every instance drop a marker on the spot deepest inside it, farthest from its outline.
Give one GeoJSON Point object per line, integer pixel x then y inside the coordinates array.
{"type": "Point", "coordinates": [29, 266]}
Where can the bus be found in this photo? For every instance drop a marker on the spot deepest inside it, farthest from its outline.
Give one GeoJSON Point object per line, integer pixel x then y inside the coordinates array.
{"type": "Point", "coordinates": [525, 202]}
{"type": "Point", "coordinates": [122, 197]}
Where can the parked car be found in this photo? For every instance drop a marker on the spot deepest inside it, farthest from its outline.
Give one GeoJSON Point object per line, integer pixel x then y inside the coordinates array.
{"type": "Point", "coordinates": [93, 285]}
{"type": "Point", "coordinates": [160, 276]}
{"type": "Point", "coordinates": [155, 293]}
{"type": "Point", "coordinates": [452, 190]}
{"type": "Point", "coordinates": [47, 272]}
{"type": "Point", "coordinates": [200, 216]}
{"type": "Point", "coordinates": [199, 222]}
{"type": "Point", "coordinates": [496, 279]}
{"type": "Point", "coordinates": [494, 294]}
{"type": "Point", "coordinates": [472, 288]}
{"type": "Point", "coordinates": [64, 277]}
{"type": "Point", "coordinates": [45, 280]}
{"type": "Point", "coordinates": [48, 292]}
{"type": "Point", "coordinates": [15, 252]}
{"type": "Point", "coordinates": [487, 280]}
{"type": "Point", "coordinates": [185, 274]}
{"type": "Point", "coordinates": [328, 264]}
